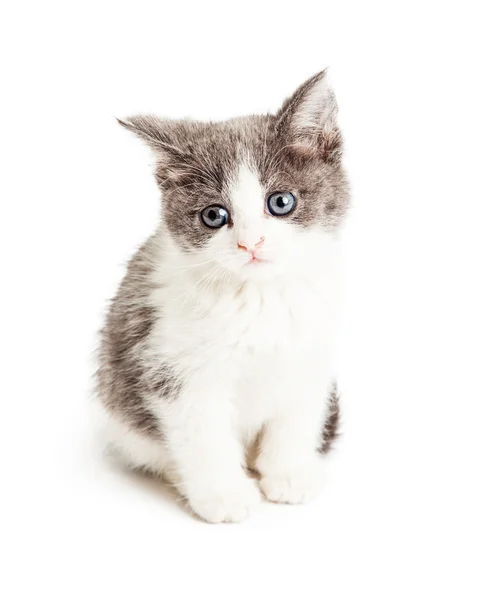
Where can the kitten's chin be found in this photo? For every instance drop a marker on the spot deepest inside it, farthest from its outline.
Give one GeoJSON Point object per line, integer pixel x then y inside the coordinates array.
{"type": "Point", "coordinates": [260, 270]}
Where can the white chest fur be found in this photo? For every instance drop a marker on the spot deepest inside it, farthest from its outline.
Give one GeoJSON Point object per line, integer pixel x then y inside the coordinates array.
{"type": "Point", "coordinates": [275, 316]}
{"type": "Point", "coordinates": [262, 343]}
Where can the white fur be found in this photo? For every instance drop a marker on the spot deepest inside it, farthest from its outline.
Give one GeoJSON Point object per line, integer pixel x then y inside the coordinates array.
{"type": "Point", "coordinates": [254, 345]}
{"type": "Point", "coordinates": [247, 196]}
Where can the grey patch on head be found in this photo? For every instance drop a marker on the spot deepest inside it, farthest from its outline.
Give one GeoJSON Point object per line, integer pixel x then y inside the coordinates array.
{"type": "Point", "coordinates": [330, 429]}
{"type": "Point", "coordinates": [126, 377]}
{"type": "Point", "coordinates": [311, 158]}
{"type": "Point", "coordinates": [195, 161]}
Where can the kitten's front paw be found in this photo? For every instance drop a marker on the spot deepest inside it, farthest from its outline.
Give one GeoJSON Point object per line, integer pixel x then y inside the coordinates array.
{"type": "Point", "coordinates": [231, 505]}
{"type": "Point", "coordinates": [293, 486]}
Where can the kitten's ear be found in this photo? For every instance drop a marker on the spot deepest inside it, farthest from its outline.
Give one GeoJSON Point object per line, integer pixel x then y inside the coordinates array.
{"type": "Point", "coordinates": [308, 119]}
{"type": "Point", "coordinates": [159, 134]}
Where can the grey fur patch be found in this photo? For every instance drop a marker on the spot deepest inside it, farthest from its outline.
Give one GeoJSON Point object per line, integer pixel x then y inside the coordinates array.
{"type": "Point", "coordinates": [196, 160]}
{"type": "Point", "coordinates": [125, 377]}
{"type": "Point", "coordinates": [330, 430]}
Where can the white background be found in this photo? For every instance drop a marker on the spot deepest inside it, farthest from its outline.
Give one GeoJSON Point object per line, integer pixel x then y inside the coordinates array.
{"type": "Point", "coordinates": [399, 518]}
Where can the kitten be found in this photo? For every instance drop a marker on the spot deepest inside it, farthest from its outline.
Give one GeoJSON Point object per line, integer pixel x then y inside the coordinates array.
{"type": "Point", "coordinates": [220, 336]}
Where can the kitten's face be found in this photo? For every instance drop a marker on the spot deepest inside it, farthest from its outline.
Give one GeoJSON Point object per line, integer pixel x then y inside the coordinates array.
{"type": "Point", "coordinates": [254, 195]}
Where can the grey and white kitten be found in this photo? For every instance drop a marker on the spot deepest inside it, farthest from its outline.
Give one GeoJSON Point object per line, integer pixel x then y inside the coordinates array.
{"type": "Point", "coordinates": [220, 337]}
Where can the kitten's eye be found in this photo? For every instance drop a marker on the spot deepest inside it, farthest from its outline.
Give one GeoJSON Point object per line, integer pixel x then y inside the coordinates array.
{"type": "Point", "coordinates": [215, 216]}
{"type": "Point", "coordinates": [280, 203]}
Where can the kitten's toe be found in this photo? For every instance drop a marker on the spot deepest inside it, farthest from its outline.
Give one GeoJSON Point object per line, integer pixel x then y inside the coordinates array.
{"type": "Point", "coordinates": [231, 505]}
{"type": "Point", "coordinates": [294, 486]}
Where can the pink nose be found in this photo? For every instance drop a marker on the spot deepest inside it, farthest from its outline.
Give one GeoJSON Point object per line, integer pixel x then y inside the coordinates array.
{"type": "Point", "coordinates": [246, 248]}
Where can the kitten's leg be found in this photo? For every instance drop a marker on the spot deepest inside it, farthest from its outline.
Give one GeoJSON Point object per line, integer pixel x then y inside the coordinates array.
{"type": "Point", "coordinates": [125, 444]}
{"type": "Point", "coordinates": [208, 456]}
{"type": "Point", "coordinates": [289, 463]}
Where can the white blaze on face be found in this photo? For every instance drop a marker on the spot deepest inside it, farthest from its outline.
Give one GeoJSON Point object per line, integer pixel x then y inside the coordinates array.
{"type": "Point", "coordinates": [247, 197]}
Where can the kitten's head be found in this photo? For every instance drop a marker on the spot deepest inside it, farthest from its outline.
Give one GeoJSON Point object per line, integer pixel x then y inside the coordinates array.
{"type": "Point", "coordinates": [252, 195]}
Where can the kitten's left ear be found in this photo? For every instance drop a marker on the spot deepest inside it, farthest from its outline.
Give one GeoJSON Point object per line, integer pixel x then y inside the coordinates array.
{"type": "Point", "coordinates": [308, 119]}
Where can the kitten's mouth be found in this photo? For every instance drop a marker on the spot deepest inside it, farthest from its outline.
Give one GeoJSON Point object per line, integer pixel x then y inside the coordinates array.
{"type": "Point", "coordinates": [257, 261]}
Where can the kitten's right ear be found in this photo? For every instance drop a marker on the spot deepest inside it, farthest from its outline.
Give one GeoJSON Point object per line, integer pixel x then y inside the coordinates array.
{"type": "Point", "coordinates": [158, 133]}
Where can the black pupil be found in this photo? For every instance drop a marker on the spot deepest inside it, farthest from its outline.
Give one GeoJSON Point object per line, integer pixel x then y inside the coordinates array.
{"type": "Point", "coordinates": [281, 202]}
{"type": "Point", "coordinates": [213, 215]}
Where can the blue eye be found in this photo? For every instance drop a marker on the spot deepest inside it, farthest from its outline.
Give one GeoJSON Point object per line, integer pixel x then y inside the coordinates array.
{"type": "Point", "coordinates": [215, 216]}
{"type": "Point", "coordinates": [280, 203]}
